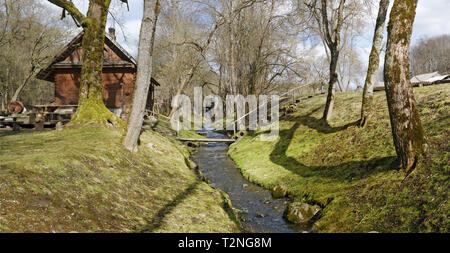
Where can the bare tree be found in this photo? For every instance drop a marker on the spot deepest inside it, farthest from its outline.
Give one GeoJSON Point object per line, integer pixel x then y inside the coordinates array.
{"type": "Point", "coordinates": [144, 73]}
{"type": "Point", "coordinates": [37, 58]}
{"type": "Point", "coordinates": [29, 34]}
{"type": "Point", "coordinates": [374, 63]}
{"type": "Point", "coordinates": [407, 130]}
{"type": "Point", "coordinates": [225, 17]}
{"type": "Point", "coordinates": [173, 52]}
{"type": "Point", "coordinates": [187, 79]}
{"type": "Point", "coordinates": [330, 27]}
{"type": "Point", "coordinates": [430, 55]}
{"type": "Point", "coordinates": [255, 50]}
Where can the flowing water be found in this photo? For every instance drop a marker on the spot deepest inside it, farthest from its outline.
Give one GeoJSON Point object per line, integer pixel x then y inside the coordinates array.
{"type": "Point", "coordinates": [262, 213]}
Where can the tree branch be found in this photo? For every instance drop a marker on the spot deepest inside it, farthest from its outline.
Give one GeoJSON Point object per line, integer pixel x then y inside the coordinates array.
{"type": "Point", "coordinates": [70, 7]}
{"type": "Point", "coordinates": [325, 22]}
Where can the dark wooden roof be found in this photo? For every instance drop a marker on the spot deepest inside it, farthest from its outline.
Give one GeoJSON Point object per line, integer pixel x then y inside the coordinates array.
{"type": "Point", "coordinates": [47, 74]}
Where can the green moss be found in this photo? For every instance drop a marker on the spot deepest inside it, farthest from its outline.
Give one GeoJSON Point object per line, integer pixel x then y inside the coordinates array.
{"type": "Point", "coordinates": [190, 134]}
{"type": "Point", "coordinates": [402, 15]}
{"type": "Point", "coordinates": [93, 111]}
{"type": "Point", "coordinates": [352, 172]}
{"type": "Point", "coordinates": [82, 179]}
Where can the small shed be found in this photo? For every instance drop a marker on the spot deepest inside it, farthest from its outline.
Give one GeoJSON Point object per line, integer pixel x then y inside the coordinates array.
{"type": "Point", "coordinates": [379, 87]}
{"type": "Point", "coordinates": [421, 80]}
{"type": "Point", "coordinates": [429, 79]}
{"type": "Point", "coordinates": [119, 75]}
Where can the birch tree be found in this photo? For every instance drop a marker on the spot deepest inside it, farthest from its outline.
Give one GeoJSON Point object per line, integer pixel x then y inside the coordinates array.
{"type": "Point", "coordinates": [144, 73]}
{"type": "Point", "coordinates": [374, 63]}
{"type": "Point", "coordinates": [407, 130]}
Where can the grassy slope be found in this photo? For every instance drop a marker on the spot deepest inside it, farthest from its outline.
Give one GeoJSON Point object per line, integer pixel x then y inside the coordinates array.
{"type": "Point", "coordinates": [83, 180]}
{"type": "Point", "coordinates": [356, 168]}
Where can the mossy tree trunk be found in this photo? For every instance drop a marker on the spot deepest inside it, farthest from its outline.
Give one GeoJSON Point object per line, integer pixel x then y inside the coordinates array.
{"type": "Point", "coordinates": [407, 130]}
{"type": "Point", "coordinates": [374, 63]}
{"type": "Point", "coordinates": [91, 108]}
{"type": "Point", "coordinates": [144, 73]}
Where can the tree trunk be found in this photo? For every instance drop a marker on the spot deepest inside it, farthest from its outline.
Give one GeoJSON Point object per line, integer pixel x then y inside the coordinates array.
{"type": "Point", "coordinates": [21, 87]}
{"type": "Point", "coordinates": [374, 63]}
{"type": "Point", "coordinates": [91, 108]}
{"type": "Point", "coordinates": [231, 54]}
{"type": "Point", "coordinates": [332, 37]}
{"type": "Point", "coordinates": [144, 74]}
{"type": "Point", "coordinates": [407, 130]}
{"type": "Point", "coordinates": [331, 85]}
{"type": "Point", "coordinates": [3, 106]}
{"type": "Point", "coordinates": [184, 82]}
{"type": "Point", "coordinates": [19, 90]}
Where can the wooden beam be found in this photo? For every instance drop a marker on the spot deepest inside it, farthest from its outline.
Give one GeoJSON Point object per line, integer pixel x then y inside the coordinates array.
{"type": "Point", "coordinates": [207, 140]}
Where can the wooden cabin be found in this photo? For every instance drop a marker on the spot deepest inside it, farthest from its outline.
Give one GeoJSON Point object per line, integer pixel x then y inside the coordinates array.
{"type": "Point", "coordinates": [119, 76]}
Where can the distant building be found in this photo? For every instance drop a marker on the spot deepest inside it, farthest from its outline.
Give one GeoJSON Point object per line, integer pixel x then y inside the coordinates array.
{"type": "Point", "coordinates": [421, 80]}
{"type": "Point", "coordinates": [379, 86]}
{"type": "Point", "coordinates": [429, 78]}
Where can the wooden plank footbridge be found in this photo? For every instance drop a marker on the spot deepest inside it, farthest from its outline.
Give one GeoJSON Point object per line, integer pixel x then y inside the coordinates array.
{"type": "Point", "coordinates": [207, 140]}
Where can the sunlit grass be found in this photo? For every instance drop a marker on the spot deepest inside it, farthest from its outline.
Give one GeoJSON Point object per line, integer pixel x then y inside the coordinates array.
{"type": "Point", "coordinates": [83, 180]}
{"type": "Point", "coordinates": [353, 171]}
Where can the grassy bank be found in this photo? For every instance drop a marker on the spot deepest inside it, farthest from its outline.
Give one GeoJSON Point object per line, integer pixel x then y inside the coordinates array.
{"type": "Point", "coordinates": [352, 172]}
{"type": "Point", "coordinates": [83, 180]}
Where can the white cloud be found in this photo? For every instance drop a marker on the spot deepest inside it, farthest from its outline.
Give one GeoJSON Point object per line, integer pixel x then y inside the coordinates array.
{"type": "Point", "coordinates": [363, 53]}
{"type": "Point", "coordinates": [284, 8]}
{"type": "Point", "coordinates": [431, 18]}
{"type": "Point", "coordinates": [319, 51]}
{"type": "Point", "coordinates": [131, 31]}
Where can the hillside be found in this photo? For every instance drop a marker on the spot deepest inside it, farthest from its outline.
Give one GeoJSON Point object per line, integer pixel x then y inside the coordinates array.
{"type": "Point", "coordinates": [83, 180]}
{"type": "Point", "coordinates": [352, 172]}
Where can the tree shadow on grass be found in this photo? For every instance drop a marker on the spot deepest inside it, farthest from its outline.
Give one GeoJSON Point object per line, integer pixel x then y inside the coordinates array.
{"type": "Point", "coordinates": [348, 171]}
{"type": "Point", "coordinates": [157, 221]}
{"type": "Point", "coordinates": [319, 124]}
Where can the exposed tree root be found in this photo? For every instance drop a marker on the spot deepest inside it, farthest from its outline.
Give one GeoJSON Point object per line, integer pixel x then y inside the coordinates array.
{"type": "Point", "coordinates": [95, 113]}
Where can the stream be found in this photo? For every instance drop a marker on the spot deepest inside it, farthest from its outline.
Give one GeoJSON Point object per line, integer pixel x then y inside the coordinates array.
{"type": "Point", "coordinates": [262, 213]}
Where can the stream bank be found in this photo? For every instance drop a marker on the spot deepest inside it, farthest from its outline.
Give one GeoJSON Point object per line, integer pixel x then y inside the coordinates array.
{"type": "Point", "coordinates": [83, 180]}
{"type": "Point", "coordinates": [351, 172]}
{"type": "Point", "coordinates": [260, 212]}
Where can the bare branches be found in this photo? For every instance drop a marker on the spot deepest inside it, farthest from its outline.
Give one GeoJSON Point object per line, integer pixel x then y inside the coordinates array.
{"type": "Point", "coordinates": [30, 38]}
